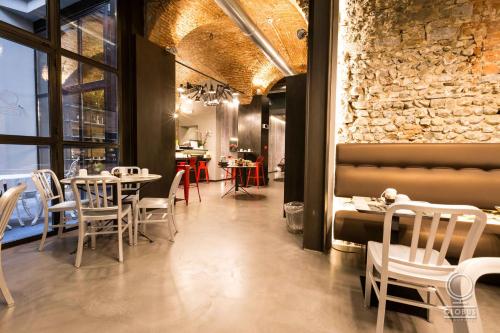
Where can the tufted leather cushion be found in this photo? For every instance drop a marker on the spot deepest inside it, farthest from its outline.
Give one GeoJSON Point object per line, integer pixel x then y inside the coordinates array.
{"type": "Point", "coordinates": [438, 173]}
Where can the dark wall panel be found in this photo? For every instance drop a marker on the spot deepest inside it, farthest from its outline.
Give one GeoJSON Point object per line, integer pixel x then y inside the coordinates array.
{"type": "Point", "coordinates": [296, 87]}
{"type": "Point", "coordinates": [264, 135]}
{"type": "Point", "coordinates": [249, 125]}
{"type": "Point", "coordinates": [251, 133]}
{"type": "Point", "coordinates": [155, 106]}
{"type": "Point", "coordinates": [316, 228]}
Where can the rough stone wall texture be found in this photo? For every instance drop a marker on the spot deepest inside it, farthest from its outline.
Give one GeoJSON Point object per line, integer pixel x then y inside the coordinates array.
{"type": "Point", "coordinates": [420, 71]}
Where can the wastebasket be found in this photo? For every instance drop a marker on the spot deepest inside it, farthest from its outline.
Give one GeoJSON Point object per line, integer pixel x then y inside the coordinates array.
{"type": "Point", "coordinates": [294, 216]}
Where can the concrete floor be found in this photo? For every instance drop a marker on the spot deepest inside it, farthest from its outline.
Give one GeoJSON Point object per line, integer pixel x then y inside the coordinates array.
{"type": "Point", "coordinates": [232, 268]}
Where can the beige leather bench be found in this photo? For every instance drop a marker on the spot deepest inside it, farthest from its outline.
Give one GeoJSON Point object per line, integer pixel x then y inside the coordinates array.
{"type": "Point", "coordinates": [438, 173]}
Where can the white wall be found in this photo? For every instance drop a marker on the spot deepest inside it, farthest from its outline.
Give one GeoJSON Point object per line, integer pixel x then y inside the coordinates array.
{"type": "Point", "coordinates": [227, 128]}
{"type": "Point", "coordinates": [276, 141]}
{"type": "Point", "coordinates": [204, 117]}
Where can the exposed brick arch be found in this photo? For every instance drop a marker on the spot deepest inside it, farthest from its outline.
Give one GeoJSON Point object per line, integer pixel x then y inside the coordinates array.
{"type": "Point", "coordinates": [206, 39]}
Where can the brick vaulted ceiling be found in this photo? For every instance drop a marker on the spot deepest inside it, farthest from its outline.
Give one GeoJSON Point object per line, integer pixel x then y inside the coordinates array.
{"type": "Point", "coordinates": [206, 39]}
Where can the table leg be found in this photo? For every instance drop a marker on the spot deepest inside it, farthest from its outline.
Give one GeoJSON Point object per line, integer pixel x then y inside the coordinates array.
{"type": "Point", "coordinates": [186, 186]}
{"type": "Point", "coordinates": [236, 180]}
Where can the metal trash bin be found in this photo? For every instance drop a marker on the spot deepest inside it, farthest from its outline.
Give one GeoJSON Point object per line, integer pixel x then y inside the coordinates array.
{"type": "Point", "coordinates": [294, 216]}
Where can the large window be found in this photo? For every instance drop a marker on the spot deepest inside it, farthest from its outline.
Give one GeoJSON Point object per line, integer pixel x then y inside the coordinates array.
{"type": "Point", "coordinates": [90, 110]}
{"type": "Point", "coordinates": [24, 103]}
{"type": "Point", "coordinates": [93, 34]}
{"type": "Point", "coordinates": [59, 105]}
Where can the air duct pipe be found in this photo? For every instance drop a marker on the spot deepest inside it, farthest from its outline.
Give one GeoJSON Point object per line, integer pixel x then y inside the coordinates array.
{"type": "Point", "coordinates": [233, 9]}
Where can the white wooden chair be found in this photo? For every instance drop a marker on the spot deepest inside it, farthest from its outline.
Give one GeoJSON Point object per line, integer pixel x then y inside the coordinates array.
{"type": "Point", "coordinates": [8, 202]}
{"type": "Point", "coordinates": [473, 269]}
{"type": "Point", "coordinates": [98, 216]}
{"type": "Point", "coordinates": [163, 209]}
{"type": "Point", "coordinates": [423, 269]}
{"type": "Point", "coordinates": [45, 182]}
{"type": "Point", "coordinates": [131, 195]}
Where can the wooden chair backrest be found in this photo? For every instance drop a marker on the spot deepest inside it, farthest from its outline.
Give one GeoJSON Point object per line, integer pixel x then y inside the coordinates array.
{"type": "Point", "coordinates": [8, 202]}
{"type": "Point", "coordinates": [448, 214]}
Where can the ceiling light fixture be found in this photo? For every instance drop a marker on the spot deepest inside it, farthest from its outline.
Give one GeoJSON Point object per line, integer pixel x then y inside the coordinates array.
{"type": "Point", "coordinates": [209, 96]}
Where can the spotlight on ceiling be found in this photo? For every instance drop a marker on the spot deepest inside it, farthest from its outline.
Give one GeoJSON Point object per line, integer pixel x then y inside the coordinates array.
{"type": "Point", "coordinates": [302, 33]}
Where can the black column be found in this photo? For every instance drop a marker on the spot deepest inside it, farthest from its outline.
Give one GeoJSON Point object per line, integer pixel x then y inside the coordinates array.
{"type": "Point", "coordinates": [318, 87]}
{"type": "Point", "coordinates": [130, 24]}
{"type": "Point", "coordinates": [296, 89]}
{"type": "Point", "coordinates": [155, 107]}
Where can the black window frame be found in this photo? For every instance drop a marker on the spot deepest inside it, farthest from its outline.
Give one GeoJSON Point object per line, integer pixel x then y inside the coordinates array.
{"type": "Point", "coordinates": [51, 45]}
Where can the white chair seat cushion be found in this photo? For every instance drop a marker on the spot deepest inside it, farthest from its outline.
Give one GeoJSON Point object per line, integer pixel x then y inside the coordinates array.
{"type": "Point", "coordinates": [158, 203]}
{"type": "Point", "coordinates": [406, 272]}
{"type": "Point", "coordinates": [96, 214]}
{"type": "Point", "coordinates": [65, 206]}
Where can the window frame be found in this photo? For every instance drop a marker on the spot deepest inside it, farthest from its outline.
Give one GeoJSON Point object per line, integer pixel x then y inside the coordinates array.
{"type": "Point", "coordinates": [51, 45]}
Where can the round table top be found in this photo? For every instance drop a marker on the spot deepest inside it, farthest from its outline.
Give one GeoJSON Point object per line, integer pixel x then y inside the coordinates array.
{"type": "Point", "coordinates": [126, 179]}
{"type": "Point", "coordinates": [233, 166]}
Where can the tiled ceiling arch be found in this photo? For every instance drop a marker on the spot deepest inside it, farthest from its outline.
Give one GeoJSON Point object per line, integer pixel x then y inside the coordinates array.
{"type": "Point", "coordinates": [204, 38]}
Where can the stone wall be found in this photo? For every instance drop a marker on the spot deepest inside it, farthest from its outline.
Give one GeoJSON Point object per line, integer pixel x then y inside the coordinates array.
{"type": "Point", "coordinates": [420, 71]}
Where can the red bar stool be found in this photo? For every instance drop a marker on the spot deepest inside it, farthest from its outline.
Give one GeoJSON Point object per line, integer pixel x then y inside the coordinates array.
{"type": "Point", "coordinates": [202, 166]}
{"type": "Point", "coordinates": [194, 168]}
{"type": "Point", "coordinates": [258, 172]}
{"type": "Point", "coordinates": [186, 182]}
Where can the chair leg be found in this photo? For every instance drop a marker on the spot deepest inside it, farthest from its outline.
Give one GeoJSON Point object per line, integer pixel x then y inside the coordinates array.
{"type": "Point", "coordinates": [257, 178]}
{"type": "Point", "coordinates": [136, 225]}
{"type": "Point", "coordinates": [198, 189]}
{"type": "Point", "coordinates": [143, 214]}
{"type": "Point", "coordinates": [62, 222]}
{"type": "Point", "coordinates": [3, 287]}
{"type": "Point", "coordinates": [45, 231]}
{"type": "Point", "coordinates": [120, 240]}
{"type": "Point", "coordinates": [381, 303]}
{"type": "Point", "coordinates": [249, 174]}
{"type": "Point", "coordinates": [130, 223]}
{"type": "Point", "coordinates": [79, 249]}
{"type": "Point", "coordinates": [368, 281]}
{"type": "Point", "coordinates": [172, 216]}
{"type": "Point", "coordinates": [93, 238]}
{"type": "Point", "coordinates": [172, 234]}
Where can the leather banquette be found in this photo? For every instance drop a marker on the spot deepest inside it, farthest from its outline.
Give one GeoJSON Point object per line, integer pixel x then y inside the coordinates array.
{"type": "Point", "coordinates": [438, 173]}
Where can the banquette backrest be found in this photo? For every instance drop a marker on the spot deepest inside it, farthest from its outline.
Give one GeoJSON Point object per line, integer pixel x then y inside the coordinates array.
{"type": "Point", "coordinates": [439, 173]}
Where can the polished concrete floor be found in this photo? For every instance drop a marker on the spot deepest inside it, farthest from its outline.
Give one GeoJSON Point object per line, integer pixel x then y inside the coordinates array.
{"type": "Point", "coordinates": [233, 268]}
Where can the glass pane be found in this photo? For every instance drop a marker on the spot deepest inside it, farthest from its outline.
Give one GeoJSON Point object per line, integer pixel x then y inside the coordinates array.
{"type": "Point", "coordinates": [94, 160]}
{"type": "Point", "coordinates": [16, 165]}
{"type": "Point", "coordinates": [90, 32]}
{"type": "Point", "coordinates": [90, 110]}
{"type": "Point", "coordinates": [27, 15]}
{"type": "Point", "coordinates": [24, 98]}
